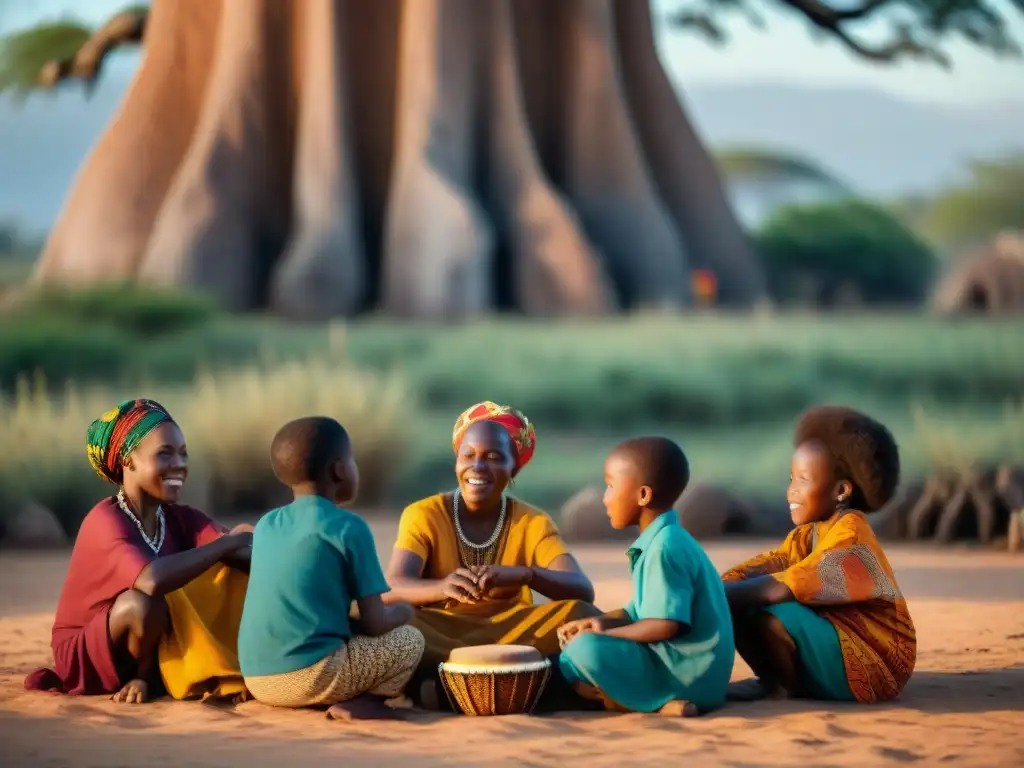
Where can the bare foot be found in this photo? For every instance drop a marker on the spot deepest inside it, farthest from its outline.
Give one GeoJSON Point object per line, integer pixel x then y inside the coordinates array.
{"type": "Point", "coordinates": [366, 707]}
{"type": "Point", "coordinates": [134, 692]}
{"type": "Point", "coordinates": [679, 708]}
{"type": "Point", "coordinates": [754, 689]}
{"type": "Point", "coordinates": [593, 693]}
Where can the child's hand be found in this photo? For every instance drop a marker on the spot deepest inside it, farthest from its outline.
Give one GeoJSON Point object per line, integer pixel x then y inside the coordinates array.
{"type": "Point", "coordinates": [490, 577]}
{"type": "Point", "coordinates": [571, 630]}
{"type": "Point", "coordinates": [461, 585]}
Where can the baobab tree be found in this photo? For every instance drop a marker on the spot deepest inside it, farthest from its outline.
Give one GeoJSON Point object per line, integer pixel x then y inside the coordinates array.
{"type": "Point", "coordinates": [425, 157]}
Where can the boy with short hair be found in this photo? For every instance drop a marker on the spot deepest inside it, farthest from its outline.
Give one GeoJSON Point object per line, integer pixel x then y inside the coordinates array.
{"type": "Point", "coordinates": [671, 649]}
{"type": "Point", "coordinates": [297, 645]}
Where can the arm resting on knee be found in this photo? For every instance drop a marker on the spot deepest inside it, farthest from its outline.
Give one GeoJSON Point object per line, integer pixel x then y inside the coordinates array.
{"type": "Point", "coordinates": [376, 619]}
{"type": "Point", "coordinates": [649, 630]}
{"type": "Point", "coordinates": [167, 574]}
{"type": "Point", "coordinates": [756, 592]}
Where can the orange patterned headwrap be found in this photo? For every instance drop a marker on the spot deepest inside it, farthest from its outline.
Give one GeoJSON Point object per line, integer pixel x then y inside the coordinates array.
{"type": "Point", "coordinates": [519, 428]}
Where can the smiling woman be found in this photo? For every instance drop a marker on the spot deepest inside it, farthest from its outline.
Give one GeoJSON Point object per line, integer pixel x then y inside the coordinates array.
{"type": "Point", "coordinates": [137, 561]}
{"type": "Point", "coordinates": [470, 560]}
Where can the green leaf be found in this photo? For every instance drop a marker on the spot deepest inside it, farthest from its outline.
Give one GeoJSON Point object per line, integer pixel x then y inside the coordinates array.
{"type": "Point", "coordinates": [23, 54]}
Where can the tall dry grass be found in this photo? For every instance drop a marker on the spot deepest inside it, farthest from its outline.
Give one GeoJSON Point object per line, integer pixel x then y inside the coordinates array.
{"type": "Point", "coordinates": [228, 419]}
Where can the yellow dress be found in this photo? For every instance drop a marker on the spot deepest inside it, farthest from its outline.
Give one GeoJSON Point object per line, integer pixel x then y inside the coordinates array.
{"type": "Point", "coordinates": [426, 529]}
{"type": "Point", "coordinates": [199, 655]}
{"type": "Point", "coordinates": [838, 568]}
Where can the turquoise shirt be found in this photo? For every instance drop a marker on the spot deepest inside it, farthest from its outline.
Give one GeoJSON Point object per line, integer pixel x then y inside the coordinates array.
{"type": "Point", "coordinates": [672, 579]}
{"type": "Point", "coordinates": [310, 560]}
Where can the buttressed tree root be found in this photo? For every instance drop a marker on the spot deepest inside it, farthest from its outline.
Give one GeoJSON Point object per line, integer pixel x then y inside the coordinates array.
{"type": "Point", "coordinates": [971, 506]}
{"type": "Point", "coordinates": [432, 158]}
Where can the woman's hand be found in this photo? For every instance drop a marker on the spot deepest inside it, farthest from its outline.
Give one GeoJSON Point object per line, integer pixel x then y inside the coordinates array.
{"type": "Point", "coordinates": [573, 629]}
{"type": "Point", "coordinates": [490, 577]}
{"type": "Point", "coordinates": [461, 585]}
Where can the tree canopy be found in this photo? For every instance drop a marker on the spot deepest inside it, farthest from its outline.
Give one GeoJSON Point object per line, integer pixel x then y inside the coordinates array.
{"type": "Point", "coordinates": [992, 200]}
{"type": "Point", "coordinates": [54, 52]}
{"type": "Point", "coordinates": [850, 243]}
{"type": "Point", "coordinates": [43, 56]}
{"type": "Point", "coordinates": [752, 162]}
{"type": "Point", "coordinates": [917, 29]}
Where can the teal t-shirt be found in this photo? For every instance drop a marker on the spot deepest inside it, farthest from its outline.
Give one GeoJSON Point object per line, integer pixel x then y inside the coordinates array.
{"type": "Point", "coordinates": [310, 560]}
{"type": "Point", "coordinates": [673, 578]}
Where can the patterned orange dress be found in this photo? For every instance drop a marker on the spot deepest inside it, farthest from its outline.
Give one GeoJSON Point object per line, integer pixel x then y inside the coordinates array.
{"type": "Point", "coordinates": [838, 568]}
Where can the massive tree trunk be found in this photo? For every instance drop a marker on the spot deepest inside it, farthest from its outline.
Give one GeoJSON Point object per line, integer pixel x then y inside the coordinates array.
{"type": "Point", "coordinates": [435, 158]}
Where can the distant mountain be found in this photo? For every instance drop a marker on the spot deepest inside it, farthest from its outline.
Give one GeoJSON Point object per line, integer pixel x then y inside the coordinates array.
{"type": "Point", "coordinates": [876, 143]}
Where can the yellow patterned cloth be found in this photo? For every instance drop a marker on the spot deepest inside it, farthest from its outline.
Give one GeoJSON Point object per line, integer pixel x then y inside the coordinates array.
{"type": "Point", "coordinates": [378, 665]}
{"type": "Point", "coordinates": [838, 568]}
{"type": "Point", "coordinates": [426, 529]}
{"type": "Point", "coordinates": [199, 656]}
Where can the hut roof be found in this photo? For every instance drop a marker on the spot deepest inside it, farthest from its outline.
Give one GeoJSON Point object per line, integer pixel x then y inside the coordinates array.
{"type": "Point", "coordinates": [989, 280]}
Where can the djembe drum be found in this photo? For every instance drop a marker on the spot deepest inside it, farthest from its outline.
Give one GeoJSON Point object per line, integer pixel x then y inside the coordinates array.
{"type": "Point", "coordinates": [495, 679]}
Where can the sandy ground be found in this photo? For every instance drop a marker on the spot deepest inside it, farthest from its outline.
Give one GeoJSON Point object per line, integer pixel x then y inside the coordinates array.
{"type": "Point", "coordinates": [964, 706]}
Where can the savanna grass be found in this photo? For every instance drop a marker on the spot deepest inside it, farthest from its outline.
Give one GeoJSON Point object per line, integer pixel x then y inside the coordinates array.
{"type": "Point", "coordinates": [702, 371]}
{"type": "Point", "coordinates": [695, 371]}
{"type": "Point", "coordinates": [728, 387]}
{"type": "Point", "coordinates": [228, 419]}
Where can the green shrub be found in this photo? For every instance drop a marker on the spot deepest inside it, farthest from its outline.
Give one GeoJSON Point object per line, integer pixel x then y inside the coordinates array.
{"type": "Point", "coordinates": [698, 371]}
{"type": "Point", "coordinates": [135, 309]}
{"type": "Point", "coordinates": [60, 351]}
{"type": "Point", "coordinates": [105, 334]}
{"type": "Point", "coordinates": [844, 245]}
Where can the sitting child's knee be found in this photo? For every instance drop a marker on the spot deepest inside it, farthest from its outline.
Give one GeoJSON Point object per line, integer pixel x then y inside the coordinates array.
{"type": "Point", "coordinates": [582, 647]}
{"type": "Point", "coordinates": [412, 638]}
{"type": "Point", "coordinates": [761, 623]}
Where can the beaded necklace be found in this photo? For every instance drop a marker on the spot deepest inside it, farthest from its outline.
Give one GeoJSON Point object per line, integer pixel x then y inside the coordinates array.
{"type": "Point", "coordinates": [486, 553]}
{"type": "Point", "coordinates": [161, 525]}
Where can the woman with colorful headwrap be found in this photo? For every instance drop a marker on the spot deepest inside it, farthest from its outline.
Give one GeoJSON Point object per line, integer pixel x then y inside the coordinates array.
{"type": "Point", "coordinates": [133, 550]}
{"type": "Point", "coordinates": [470, 559]}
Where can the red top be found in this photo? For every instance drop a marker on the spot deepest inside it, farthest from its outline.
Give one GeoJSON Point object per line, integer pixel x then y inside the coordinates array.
{"type": "Point", "coordinates": [108, 556]}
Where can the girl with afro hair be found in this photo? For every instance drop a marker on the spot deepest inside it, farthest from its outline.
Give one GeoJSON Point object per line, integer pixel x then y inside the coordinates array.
{"type": "Point", "coordinates": [822, 616]}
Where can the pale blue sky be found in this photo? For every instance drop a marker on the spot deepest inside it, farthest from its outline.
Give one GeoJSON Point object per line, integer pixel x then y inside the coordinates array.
{"type": "Point", "coordinates": [785, 53]}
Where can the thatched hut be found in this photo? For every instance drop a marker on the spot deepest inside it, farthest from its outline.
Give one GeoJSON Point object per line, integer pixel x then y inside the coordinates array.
{"type": "Point", "coordinates": [988, 281]}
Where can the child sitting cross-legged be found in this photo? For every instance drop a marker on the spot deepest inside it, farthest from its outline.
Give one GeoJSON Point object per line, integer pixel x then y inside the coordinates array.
{"type": "Point", "coordinates": [670, 650]}
{"type": "Point", "coordinates": [297, 645]}
{"type": "Point", "coordinates": [822, 616]}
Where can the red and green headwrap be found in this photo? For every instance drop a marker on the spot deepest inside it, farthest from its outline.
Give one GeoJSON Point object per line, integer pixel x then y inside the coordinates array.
{"type": "Point", "coordinates": [114, 435]}
{"type": "Point", "coordinates": [519, 428]}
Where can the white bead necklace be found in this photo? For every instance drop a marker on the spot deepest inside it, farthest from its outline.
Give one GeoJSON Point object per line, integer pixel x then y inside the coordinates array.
{"type": "Point", "coordinates": [161, 525]}
{"type": "Point", "coordinates": [462, 534]}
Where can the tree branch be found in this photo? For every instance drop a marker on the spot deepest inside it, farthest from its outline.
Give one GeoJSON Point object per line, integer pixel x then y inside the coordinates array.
{"type": "Point", "coordinates": [822, 14]}
{"type": "Point", "coordinates": [831, 20]}
{"type": "Point", "coordinates": [125, 28]}
{"type": "Point", "coordinates": [702, 22]}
